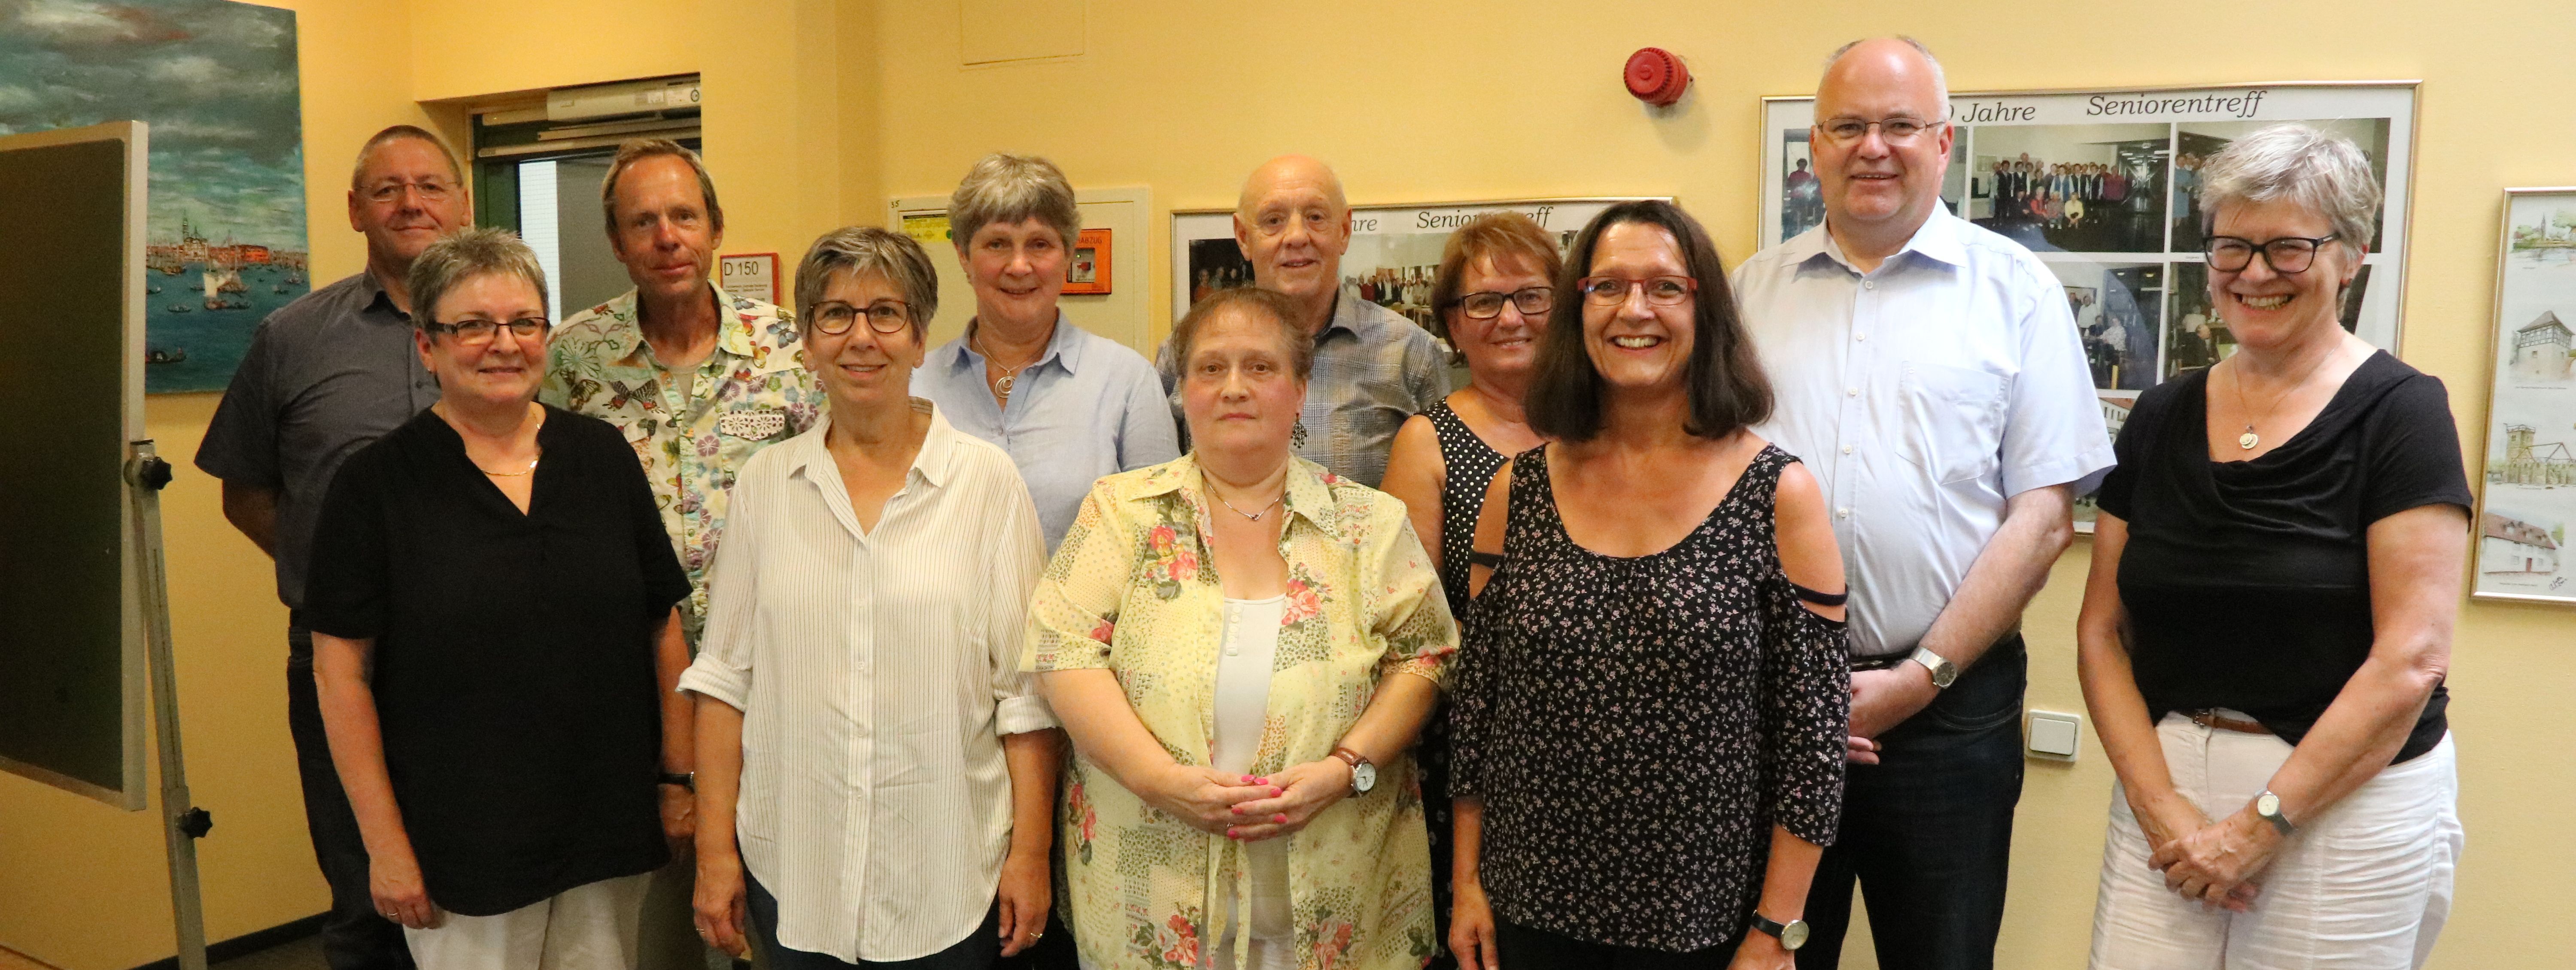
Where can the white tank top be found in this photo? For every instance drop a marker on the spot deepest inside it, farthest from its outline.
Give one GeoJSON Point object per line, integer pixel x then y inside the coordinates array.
{"type": "Point", "coordinates": [1249, 644]}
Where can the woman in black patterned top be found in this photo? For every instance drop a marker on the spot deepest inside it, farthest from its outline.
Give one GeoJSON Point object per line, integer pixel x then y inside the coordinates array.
{"type": "Point", "coordinates": [1650, 706]}
{"type": "Point", "coordinates": [1489, 301]}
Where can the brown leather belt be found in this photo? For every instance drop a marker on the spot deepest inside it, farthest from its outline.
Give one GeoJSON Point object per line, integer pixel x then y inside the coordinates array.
{"type": "Point", "coordinates": [2207, 718]}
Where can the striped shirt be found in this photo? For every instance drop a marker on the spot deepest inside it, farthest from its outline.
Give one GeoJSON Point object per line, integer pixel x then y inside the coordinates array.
{"type": "Point", "coordinates": [876, 671]}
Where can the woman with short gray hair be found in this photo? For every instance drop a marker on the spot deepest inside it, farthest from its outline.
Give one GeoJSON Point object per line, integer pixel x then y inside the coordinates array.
{"type": "Point", "coordinates": [1068, 405]}
{"type": "Point", "coordinates": [497, 645]}
{"type": "Point", "coordinates": [878, 772]}
{"type": "Point", "coordinates": [2276, 569]}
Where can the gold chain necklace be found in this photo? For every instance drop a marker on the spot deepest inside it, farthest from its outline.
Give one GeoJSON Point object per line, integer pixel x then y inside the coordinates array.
{"type": "Point", "coordinates": [1229, 506]}
{"type": "Point", "coordinates": [530, 470]}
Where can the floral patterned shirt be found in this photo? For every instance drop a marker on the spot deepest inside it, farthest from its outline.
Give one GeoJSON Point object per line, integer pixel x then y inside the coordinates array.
{"type": "Point", "coordinates": [751, 392]}
{"type": "Point", "coordinates": [1133, 589]}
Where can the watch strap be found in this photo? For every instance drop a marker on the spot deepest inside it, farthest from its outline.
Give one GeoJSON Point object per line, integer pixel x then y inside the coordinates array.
{"type": "Point", "coordinates": [1944, 672]}
{"type": "Point", "coordinates": [684, 779]}
{"type": "Point", "coordinates": [2280, 822]}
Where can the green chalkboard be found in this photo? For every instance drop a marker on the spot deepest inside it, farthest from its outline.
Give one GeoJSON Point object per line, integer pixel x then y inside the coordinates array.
{"type": "Point", "coordinates": [71, 671]}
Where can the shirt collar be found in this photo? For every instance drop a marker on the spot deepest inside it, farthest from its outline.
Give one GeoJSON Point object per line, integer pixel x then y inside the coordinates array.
{"type": "Point", "coordinates": [1309, 496]}
{"type": "Point", "coordinates": [1936, 239]}
{"type": "Point", "coordinates": [1064, 348]}
{"type": "Point", "coordinates": [735, 322]}
{"type": "Point", "coordinates": [372, 292]}
{"type": "Point", "coordinates": [931, 462]}
{"type": "Point", "coordinates": [1347, 316]}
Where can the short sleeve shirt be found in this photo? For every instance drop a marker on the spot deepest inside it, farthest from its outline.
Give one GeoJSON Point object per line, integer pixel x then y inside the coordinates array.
{"type": "Point", "coordinates": [1923, 395]}
{"type": "Point", "coordinates": [324, 376]}
{"type": "Point", "coordinates": [514, 657]}
{"type": "Point", "coordinates": [751, 392]}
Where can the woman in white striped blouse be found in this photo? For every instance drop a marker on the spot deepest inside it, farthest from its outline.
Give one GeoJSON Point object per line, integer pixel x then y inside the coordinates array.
{"type": "Point", "coordinates": [877, 772]}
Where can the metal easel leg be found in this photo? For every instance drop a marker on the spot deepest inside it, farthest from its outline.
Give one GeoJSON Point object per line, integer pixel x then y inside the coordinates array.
{"type": "Point", "coordinates": [182, 822]}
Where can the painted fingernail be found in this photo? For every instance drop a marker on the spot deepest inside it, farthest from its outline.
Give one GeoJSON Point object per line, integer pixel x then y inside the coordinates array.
{"type": "Point", "coordinates": [1229, 831]}
{"type": "Point", "coordinates": [1280, 818]}
{"type": "Point", "coordinates": [1247, 779]}
{"type": "Point", "coordinates": [1274, 793]}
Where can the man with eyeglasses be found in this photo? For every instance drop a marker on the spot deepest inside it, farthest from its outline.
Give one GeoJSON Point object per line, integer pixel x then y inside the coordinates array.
{"type": "Point", "coordinates": [1373, 369]}
{"type": "Point", "coordinates": [698, 380]}
{"type": "Point", "coordinates": [1929, 374]}
{"type": "Point", "coordinates": [325, 376]}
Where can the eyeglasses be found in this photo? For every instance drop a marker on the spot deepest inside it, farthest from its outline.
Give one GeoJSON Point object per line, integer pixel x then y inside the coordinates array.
{"type": "Point", "coordinates": [1899, 130]}
{"type": "Point", "coordinates": [431, 190]}
{"type": "Point", "coordinates": [2288, 254]}
{"type": "Point", "coordinates": [476, 333]}
{"type": "Point", "coordinates": [884, 316]}
{"type": "Point", "coordinates": [1660, 290]}
{"type": "Point", "coordinates": [1487, 305]}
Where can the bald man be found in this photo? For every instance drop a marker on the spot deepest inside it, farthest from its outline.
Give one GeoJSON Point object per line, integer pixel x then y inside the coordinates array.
{"type": "Point", "coordinates": [1929, 374]}
{"type": "Point", "coordinates": [1373, 369]}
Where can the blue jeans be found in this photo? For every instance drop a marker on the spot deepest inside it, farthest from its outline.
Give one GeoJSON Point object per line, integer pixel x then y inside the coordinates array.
{"type": "Point", "coordinates": [1927, 832]}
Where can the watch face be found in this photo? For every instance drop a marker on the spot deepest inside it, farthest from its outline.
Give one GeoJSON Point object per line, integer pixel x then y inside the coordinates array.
{"type": "Point", "coordinates": [1363, 777]}
{"type": "Point", "coordinates": [2268, 806]}
{"type": "Point", "coordinates": [1793, 935]}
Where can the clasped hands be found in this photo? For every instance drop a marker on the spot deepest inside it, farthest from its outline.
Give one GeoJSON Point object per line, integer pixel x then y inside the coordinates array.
{"type": "Point", "coordinates": [1883, 699]}
{"type": "Point", "coordinates": [2213, 863]}
{"type": "Point", "coordinates": [1248, 807]}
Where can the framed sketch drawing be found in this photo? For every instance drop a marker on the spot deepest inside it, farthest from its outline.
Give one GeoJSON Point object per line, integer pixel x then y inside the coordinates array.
{"type": "Point", "coordinates": [2104, 186]}
{"type": "Point", "coordinates": [2529, 499]}
{"type": "Point", "coordinates": [1395, 249]}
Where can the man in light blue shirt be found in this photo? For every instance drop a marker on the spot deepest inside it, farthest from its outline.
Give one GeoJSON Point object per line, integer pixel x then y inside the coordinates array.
{"type": "Point", "coordinates": [1068, 405]}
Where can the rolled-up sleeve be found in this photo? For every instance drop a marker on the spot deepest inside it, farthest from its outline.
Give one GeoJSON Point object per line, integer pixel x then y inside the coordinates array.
{"type": "Point", "coordinates": [1806, 714]}
{"type": "Point", "coordinates": [1018, 553]}
{"type": "Point", "coordinates": [1073, 616]}
{"type": "Point", "coordinates": [1407, 613]}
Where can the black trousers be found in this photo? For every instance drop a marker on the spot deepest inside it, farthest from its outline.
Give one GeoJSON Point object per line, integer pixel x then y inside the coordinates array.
{"type": "Point", "coordinates": [354, 937]}
{"type": "Point", "coordinates": [1524, 948]}
{"type": "Point", "coordinates": [1927, 832]}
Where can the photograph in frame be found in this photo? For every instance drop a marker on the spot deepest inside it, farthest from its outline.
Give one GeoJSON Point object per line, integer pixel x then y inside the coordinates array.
{"type": "Point", "coordinates": [2528, 498]}
{"type": "Point", "coordinates": [2104, 187]}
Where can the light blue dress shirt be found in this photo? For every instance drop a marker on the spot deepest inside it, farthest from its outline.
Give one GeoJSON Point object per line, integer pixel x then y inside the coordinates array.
{"type": "Point", "coordinates": [1087, 407]}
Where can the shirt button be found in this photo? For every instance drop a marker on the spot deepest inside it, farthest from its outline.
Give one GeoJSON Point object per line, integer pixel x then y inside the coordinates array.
{"type": "Point", "coordinates": [1843, 513]}
{"type": "Point", "coordinates": [1868, 284]}
{"type": "Point", "coordinates": [1851, 392]}
{"type": "Point", "coordinates": [1847, 449]}
{"type": "Point", "coordinates": [1860, 336]}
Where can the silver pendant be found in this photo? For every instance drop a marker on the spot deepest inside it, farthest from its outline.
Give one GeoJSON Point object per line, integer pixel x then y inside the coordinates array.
{"type": "Point", "coordinates": [1003, 385]}
{"type": "Point", "coordinates": [2248, 440]}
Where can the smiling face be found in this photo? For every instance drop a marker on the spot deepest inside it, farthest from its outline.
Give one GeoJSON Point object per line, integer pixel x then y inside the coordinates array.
{"type": "Point", "coordinates": [423, 200]}
{"type": "Point", "coordinates": [1872, 181]}
{"type": "Point", "coordinates": [1636, 345]}
{"type": "Point", "coordinates": [1506, 345]}
{"type": "Point", "coordinates": [1239, 388]}
{"type": "Point", "coordinates": [861, 368]}
{"type": "Point", "coordinates": [2263, 308]}
{"type": "Point", "coordinates": [1017, 270]}
{"type": "Point", "coordinates": [664, 235]}
{"type": "Point", "coordinates": [1293, 226]}
{"type": "Point", "coordinates": [505, 370]}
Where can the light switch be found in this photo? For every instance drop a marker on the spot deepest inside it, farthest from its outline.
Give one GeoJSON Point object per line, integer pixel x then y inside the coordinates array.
{"type": "Point", "coordinates": [2053, 735]}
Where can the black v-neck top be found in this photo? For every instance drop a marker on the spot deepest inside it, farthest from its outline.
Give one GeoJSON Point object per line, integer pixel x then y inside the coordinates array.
{"type": "Point", "coordinates": [2247, 583]}
{"type": "Point", "coordinates": [513, 671]}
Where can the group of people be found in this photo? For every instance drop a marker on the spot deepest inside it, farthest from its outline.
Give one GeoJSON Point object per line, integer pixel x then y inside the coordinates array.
{"type": "Point", "coordinates": [1698, 605]}
{"type": "Point", "coordinates": [2055, 194]}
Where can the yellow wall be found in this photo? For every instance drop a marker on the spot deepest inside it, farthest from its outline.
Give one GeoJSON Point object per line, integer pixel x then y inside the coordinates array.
{"type": "Point", "coordinates": [821, 109]}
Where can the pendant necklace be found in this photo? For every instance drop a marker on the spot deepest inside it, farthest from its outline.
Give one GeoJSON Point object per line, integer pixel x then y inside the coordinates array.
{"type": "Point", "coordinates": [1010, 375]}
{"type": "Point", "coordinates": [2249, 440]}
{"type": "Point", "coordinates": [1248, 516]}
{"type": "Point", "coordinates": [530, 470]}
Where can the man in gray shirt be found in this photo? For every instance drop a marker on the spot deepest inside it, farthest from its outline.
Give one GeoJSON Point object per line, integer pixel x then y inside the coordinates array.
{"type": "Point", "coordinates": [325, 376]}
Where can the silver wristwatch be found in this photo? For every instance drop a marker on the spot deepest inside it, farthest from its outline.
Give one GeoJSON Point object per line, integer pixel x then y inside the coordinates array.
{"type": "Point", "coordinates": [1944, 673]}
{"type": "Point", "coordinates": [2267, 806]}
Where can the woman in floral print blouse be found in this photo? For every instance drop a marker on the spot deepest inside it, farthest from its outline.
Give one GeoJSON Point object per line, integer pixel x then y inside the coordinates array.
{"type": "Point", "coordinates": [1242, 647]}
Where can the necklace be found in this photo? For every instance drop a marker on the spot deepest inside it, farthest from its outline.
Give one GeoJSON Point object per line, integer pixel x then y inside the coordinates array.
{"type": "Point", "coordinates": [2249, 440]}
{"type": "Point", "coordinates": [1010, 375]}
{"type": "Point", "coordinates": [530, 470]}
{"type": "Point", "coordinates": [1229, 506]}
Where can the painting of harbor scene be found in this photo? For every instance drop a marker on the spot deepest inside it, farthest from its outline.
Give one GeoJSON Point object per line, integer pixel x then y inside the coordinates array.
{"type": "Point", "coordinates": [216, 81]}
{"type": "Point", "coordinates": [2531, 435]}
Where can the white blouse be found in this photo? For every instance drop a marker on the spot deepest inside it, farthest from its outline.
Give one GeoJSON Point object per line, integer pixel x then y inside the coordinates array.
{"type": "Point", "coordinates": [1251, 644]}
{"type": "Point", "coordinates": [877, 672]}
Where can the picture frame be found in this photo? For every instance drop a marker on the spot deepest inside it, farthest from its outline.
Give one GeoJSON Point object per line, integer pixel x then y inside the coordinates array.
{"type": "Point", "coordinates": [1087, 267]}
{"type": "Point", "coordinates": [2100, 184]}
{"type": "Point", "coordinates": [2527, 493]}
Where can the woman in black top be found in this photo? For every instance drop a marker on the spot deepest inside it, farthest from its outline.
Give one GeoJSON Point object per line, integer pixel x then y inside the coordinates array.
{"type": "Point", "coordinates": [1489, 300]}
{"type": "Point", "coordinates": [2275, 572]}
{"type": "Point", "coordinates": [496, 644]}
{"type": "Point", "coordinates": [1649, 723]}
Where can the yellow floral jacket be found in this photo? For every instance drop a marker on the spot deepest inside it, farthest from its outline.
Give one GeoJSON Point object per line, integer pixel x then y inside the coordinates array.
{"type": "Point", "coordinates": [1133, 590]}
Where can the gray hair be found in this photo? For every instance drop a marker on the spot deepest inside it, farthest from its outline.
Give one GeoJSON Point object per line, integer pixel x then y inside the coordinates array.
{"type": "Point", "coordinates": [2315, 169]}
{"type": "Point", "coordinates": [864, 250]}
{"type": "Point", "coordinates": [450, 262]}
{"type": "Point", "coordinates": [358, 172]}
{"type": "Point", "coordinates": [638, 149]}
{"type": "Point", "coordinates": [1008, 189]}
{"type": "Point", "coordinates": [1940, 78]}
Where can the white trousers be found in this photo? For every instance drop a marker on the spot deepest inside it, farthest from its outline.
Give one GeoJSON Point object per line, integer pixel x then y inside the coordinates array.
{"type": "Point", "coordinates": [587, 927]}
{"type": "Point", "coordinates": [2364, 885]}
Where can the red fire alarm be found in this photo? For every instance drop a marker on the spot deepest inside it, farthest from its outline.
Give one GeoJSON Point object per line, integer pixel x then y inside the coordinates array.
{"type": "Point", "coordinates": [1656, 76]}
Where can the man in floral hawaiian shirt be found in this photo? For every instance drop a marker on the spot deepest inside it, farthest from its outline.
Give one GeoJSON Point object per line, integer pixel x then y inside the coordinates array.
{"type": "Point", "coordinates": [698, 379]}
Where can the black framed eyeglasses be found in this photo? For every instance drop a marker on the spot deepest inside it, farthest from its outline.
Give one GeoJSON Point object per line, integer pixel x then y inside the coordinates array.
{"type": "Point", "coordinates": [475, 333]}
{"type": "Point", "coordinates": [1487, 304]}
{"type": "Point", "coordinates": [884, 316]}
{"type": "Point", "coordinates": [1660, 290]}
{"type": "Point", "coordinates": [2286, 255]}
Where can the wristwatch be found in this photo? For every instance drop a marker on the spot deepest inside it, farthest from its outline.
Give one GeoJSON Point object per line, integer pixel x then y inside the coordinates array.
{"type": "Point", "coordinates": [1792, 934]}
{"type": "Point", "coordinates": [684, 779]}
{"type": "Point", "coordinates": [1944, 673]}
{"type": "Point", "coordinates": [2267, 806]}
{"type": "Point", "coordinates": [1363, 773]}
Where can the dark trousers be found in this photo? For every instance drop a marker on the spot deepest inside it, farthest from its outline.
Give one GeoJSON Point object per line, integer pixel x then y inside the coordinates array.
{"type": "Point", "coordinates": [1927, 832]}
{"type": "Point", "coordinates": [978, 951]}
{"type": "Point", "coordinates": [1524, 948]}
{"type": "Point", "coordinates": [354, 937]}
